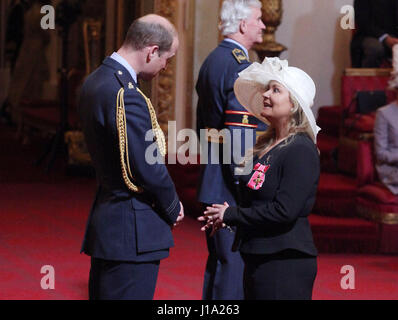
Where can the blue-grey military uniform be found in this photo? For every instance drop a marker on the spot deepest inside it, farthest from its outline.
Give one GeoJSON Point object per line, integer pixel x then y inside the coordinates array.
{"type": "Point", "coordinates": [219, 109]}
{"type": "Point", "coordinates": [127, 232]}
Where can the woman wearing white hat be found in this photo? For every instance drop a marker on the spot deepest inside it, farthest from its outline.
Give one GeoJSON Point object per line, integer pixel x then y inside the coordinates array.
{"type": "Point", "coordinates": [274, 235]}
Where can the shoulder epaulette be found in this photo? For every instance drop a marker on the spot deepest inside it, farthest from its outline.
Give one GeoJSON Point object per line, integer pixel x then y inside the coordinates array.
{"type": "Point", "coordinates": [124, 80]}
{"type": "Point", "coordinates": [239, 55]}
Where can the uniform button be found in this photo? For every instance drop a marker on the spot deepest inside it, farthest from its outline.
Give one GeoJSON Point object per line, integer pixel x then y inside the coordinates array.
{"type": "Point", "coordinates": [119, 72]}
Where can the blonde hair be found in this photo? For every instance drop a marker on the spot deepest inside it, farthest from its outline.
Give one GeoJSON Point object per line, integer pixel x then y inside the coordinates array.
{"type": "Point", "coordinates": [298, 123]}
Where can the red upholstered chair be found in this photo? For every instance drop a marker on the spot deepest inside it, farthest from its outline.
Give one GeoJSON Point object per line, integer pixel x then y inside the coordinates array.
{"type": "Point", "coordinates": [327, 145]}
{"type": "Point", "coordinates": [361, 80]}
{"type": "Point", "coordinates": [359, 126]}
{"type": "Point", "coordinates": [375, 202]}
{"type": "Point", "coordinates": [337, 190]}
{"type": "Point", "coordinates": [348, 235]}
{"type": "Point", "coordinates": [330, 118]}
{"type": "Point", "coordinates": [343, 120]}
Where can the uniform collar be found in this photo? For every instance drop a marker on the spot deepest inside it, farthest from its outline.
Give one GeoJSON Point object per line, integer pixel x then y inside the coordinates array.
{"type": "Point", "coordinates": [117, 57]}
{"type": "Point", "coordinates": [238, 44]}
{"type": "Point", "coordinates": [121, 73]}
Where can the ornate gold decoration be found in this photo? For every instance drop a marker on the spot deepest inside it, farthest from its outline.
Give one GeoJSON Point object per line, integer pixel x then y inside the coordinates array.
{"type": "Point", "coordinates": [272, 11]}
{"type": "Point", "coordinates": [157, 130]}
{"type": "Point", "coordinates": [92, 43]}
{"type": "Point", "coordinates": [163, 89]}
{"type": "Point", "coordinates": [123, 143]}
{"type": "Point", "coordinates": [239, 55]}
{"type": "Point", "coordinates": [368, 72]}
{"type": "Point", "coordinates": [77, 149]}
{"type": "Point", "coordinates": [378, 216]}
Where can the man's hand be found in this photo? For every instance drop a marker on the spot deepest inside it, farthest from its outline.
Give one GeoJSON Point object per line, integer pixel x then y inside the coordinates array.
{"type": "Point", "coordinates": [391, 41]}
{"type": "Point", "coordinates": [180, 216]}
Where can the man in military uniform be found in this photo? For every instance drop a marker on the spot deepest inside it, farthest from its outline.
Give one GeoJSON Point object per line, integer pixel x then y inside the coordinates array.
{"type": "Point", "coordinates": [218, 109]}
{"type": "Point", "coordinates": [129, 228]}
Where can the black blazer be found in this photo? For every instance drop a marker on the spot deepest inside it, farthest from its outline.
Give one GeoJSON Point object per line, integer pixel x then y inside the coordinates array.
{"type": "Point", "coordinates": [124, 225]}
{"type": "Point", "coordinates": [274, 217]}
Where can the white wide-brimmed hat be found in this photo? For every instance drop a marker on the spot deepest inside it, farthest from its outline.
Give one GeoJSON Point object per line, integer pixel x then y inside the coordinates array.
{"type": "Point", "coordinates": [253, 81]}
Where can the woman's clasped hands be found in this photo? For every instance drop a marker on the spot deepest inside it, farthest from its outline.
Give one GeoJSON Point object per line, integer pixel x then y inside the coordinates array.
{"type": "Point", "coordinates": [214, 217]}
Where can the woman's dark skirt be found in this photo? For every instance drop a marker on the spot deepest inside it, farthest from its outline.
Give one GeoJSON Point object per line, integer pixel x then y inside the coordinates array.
{"type": "Point", "coordinates": [286, 275]}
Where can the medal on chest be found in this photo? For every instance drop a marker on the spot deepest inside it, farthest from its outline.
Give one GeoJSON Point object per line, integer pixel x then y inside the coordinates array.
{"type": "Point", "coordinates": [257, 179]}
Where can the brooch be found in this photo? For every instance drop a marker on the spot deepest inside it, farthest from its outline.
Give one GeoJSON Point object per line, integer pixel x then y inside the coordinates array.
{"type": "Point", "coordinates": [257, 179]}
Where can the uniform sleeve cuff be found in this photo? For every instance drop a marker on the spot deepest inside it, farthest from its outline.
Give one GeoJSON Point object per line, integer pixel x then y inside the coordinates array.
{"type": "Point", "coordinates": [230, 216]}
{"type": "Point", "coordinates": [174, 210]}
{"type": "Point", "coordinates": [383, 37]}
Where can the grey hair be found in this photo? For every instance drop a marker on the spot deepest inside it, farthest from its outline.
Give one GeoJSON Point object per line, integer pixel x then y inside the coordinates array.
{"type": "Point", "coordinates": [233, 12]}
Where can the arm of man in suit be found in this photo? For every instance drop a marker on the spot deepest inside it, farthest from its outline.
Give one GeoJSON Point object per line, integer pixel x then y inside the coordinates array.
{"type": "Point", "coordinates": [154, 178]}
{"type": "Point", "coordinates": [383, 154]}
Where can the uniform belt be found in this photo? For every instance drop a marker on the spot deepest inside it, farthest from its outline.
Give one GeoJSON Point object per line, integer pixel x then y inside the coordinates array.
{"type": "Point", "coordinates": [240, 119]}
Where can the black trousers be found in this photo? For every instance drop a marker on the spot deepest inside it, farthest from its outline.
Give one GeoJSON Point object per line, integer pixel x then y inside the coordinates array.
{"type": "Point", "coordinates": [373, 52]}
{"type": "Point", "coordinates": [121, 280]}
{"type": "Point", "coordinates": [286, 275]}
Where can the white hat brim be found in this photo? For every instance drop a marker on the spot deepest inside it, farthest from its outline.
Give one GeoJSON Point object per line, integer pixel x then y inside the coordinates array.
{"type": "Point", "coordinates": [253, 82]}
{"type": "Point", "coordinates": [250, 96]}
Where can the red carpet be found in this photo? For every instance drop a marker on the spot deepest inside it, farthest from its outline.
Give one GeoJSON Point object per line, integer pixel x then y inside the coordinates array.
{"type": "Point", "coordinates": [43, 218]}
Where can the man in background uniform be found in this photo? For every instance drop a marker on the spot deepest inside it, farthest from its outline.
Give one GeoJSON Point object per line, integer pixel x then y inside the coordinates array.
{"type": "Point", "coordinates": [218, 108]}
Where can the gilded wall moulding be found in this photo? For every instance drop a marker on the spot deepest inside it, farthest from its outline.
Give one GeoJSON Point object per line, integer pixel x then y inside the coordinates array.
{"type": "Point", "coordinates": [163, 88]}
